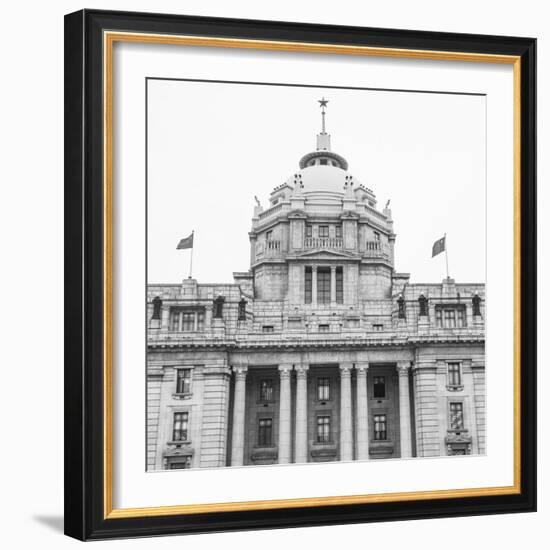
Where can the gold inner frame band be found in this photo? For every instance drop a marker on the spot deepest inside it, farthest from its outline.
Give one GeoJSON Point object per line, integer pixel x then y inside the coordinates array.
{"type": "Point", "coordinates": [109, 39]}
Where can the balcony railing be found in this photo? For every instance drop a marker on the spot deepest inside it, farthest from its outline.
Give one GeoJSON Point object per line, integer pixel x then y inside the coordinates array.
{"type": "Point", "coordinates": [323, 242]}
{"type": "Point", "coordinates": [270, 211]}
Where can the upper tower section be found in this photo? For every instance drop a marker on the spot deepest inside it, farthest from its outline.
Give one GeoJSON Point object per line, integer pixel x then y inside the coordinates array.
{"type": "Point", "coordinates": [321, 209]}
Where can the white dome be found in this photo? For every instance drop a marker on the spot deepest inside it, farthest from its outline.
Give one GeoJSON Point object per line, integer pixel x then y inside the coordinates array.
{"type": "Point", "coordinates": [322, 179]}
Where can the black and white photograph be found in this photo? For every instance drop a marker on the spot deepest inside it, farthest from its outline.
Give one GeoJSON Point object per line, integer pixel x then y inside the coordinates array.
{"type": "Point", "coordinates": [316, 268]}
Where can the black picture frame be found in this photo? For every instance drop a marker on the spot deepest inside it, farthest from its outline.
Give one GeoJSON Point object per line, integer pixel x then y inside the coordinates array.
{"type": "Point", "coordinates": [84, 281]}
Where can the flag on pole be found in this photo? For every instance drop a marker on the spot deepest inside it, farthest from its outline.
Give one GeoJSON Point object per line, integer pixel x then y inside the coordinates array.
{"type": "Point", "coordinates": [438, 247]}
{"type": "Point", "coordinates": [186, 243]}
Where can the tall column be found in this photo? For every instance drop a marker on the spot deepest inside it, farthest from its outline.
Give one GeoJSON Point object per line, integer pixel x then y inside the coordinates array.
{"type": "Point", "coordinates": [362, 420]}
{"type": "Point", "coordinates": [346, 435]}
{"type": "Point", "coordinates": [284, 414]}
{"type": "Point", "coordinates": [314, 285]}
{"type": "Point", "coordinates": [165, 318]}
{"type": "Point", "coordinates": [333, 284]}
{"type": "Point", "coordinates": [300, 445]}
{"type": "Point", "coordinates": [237, 442]}
{"type": "Point", "coordinates": [403, 368]}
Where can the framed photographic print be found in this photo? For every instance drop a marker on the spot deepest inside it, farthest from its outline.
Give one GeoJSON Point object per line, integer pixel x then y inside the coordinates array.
{"type": "Point", "coordinates": [300, 274]}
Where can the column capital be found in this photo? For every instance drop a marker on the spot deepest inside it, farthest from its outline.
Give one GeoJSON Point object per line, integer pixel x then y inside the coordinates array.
{"type": "Point", "coordinates": [333, 268]}
{"type": "Point", "coordinates": [345, 369]}
{"type": "Point", "coordinates": [240, 371]}
{"type": "Point", "coordinates": [313, 268]}
{"type": "Point", "coordinates": [361, 369]}
{"type": "Point", "coordinates": [403, 368]}
{"type": "Point", "coordinates": [285, 370]}
{"type": "Point", "coordinates": [301, 370]}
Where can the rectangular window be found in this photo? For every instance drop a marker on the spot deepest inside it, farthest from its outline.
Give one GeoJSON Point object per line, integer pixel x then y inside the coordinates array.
{"type": "Point", "coordinates": [266, 390]}
{"type": "Point", "coordinates": [183, 381]}
{"type": "Point", "coordinates": [200, 319]}
{"type": "Point", "coordinates": [323, 285]}
{"type": "Point", "coordinates": [181, 421]}
{"type": "Point", "coordinates": [453, 373]}
{"type": "Point", "coordinates": [339, 285]}
{"type": "Point", "coordinates": [324, 328]}
{"type": "Point", "coordinates": [309, 230]}
{"type": "Point", "coordinates": [377, 236]}
{"type": "Point", "coordinates": [174, 320]}
{"type": "Point", "coordinates": [180, 465]}
{"type": "Point", "coordinates": [338, 232]}
{"type": "Point", "coordinates": [379, 386]}
{"type": "Point", "coordinates": [449, 316]}
{"type": "Point", "coordinates": [380, 427]}
{"type": "Point", "coordinates": [188, 321]}
{"type": "Point", "coordinates": [377, 328]}
{"type": "Point", "coordinates": [456, 416]}
{"type": "Point", "coordinates": [323, 231]}
{"type": "Point", "coordinates": [265, 430]}
{"type": "Point", "coordinates": [268, 328]}
{"type": "Point", "coordinates": [323, 388]}
{"type": "Point", "coordinates": [308, 288]}
{"type": "Point", "coordinates": [323, 429]}
{"type": "Point", "coordinates": [323, 162]}
{"type": "Point", "coordinates": [268, 235]}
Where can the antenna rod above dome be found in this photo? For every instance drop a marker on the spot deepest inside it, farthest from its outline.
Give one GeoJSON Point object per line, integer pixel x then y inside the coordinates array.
{"type": "Point", "coordinates": [323, 139]}
{"type": "Point", "coordinates": [323, 102]}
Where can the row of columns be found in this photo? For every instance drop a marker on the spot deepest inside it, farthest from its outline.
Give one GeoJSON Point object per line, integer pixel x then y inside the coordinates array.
{"type": "Point", "coordinates": [346, 422]}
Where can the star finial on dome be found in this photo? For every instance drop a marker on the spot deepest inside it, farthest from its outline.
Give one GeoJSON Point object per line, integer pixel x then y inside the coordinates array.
{"type": "Point", "coordinates": [323, 103]}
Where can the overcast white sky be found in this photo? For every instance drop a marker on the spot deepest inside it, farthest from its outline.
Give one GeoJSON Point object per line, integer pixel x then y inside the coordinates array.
{"type": "Point", "coordinates": [213, 146]}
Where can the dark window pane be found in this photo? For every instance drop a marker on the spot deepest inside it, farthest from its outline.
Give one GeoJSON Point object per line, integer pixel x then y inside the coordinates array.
{"type": "Point", "coordinates": [323, 429]}
{"type": "Point", "coordinates": [380, 428]}
{"type": "Point", "coordinates": [266, 390]}
{"type": "Point", "coordinates": [180, 426]}
{"type": "Point", "coordinates": [323, 231]}
{"type": "Point", "coordinates": [339, 285]}
{"type": "Point", "coordinates": [379, 386]}
{"type": "Point", "coordinates": [308, 286]}
{"type": "Point", "coordinates": [454, 374]}
{"type": "Point", "coordinates": [323, 286]}
{"type": "Point", "coordinates": [456, 416]}
{"type": "Point", "coordinates": [183, 381]}
{"type": "Point", "coordinates": [265, 428]}
{"type": "Point", "coordinates": [323, 389]}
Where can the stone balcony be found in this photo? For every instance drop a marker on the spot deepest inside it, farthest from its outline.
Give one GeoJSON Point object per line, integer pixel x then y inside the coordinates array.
{"type": "Point", "coordinates": [332, 243]}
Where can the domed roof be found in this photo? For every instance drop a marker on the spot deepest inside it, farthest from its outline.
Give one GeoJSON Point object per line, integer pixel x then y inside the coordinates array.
{"type": "Point", "coordinates": [322, 179]}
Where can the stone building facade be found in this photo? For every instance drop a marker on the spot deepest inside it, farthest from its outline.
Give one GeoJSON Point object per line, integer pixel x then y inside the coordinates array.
{"type": "Point", "coordinates": [321, 351]}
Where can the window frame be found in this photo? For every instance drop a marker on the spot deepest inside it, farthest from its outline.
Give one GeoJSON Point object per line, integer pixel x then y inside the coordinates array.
{"type": "Point", "coordinates": [376, 423]}
{"type": "Point", "coordinates": [459, 374]}
{"type": "Point", "coordinates": [184, 422]}
{"type": "Point", "coordinates": [323, 227]}
{"type": "Point", "coordinates": [460, 405]}
{"type": "Point", "coordinates": [328, 387]}
{"type": "Point", "coordinates": [267, 399]}
{"type": "Point", "coordinates": [324, 436]}
{"type": "Point", "coordinates": [323, 285]}
{"type": "Point", "coordinates": [262, 440]}
{"type": "Point", "coordinates": [383, 377]}
{"type": "Point", "coordinates": [177, 380]}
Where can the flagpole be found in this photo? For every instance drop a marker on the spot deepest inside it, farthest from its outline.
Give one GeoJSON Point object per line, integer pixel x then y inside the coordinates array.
{"type": "Point", "coordinates": [446, 257]}
{"type": "Point", "coordinates": [191, 257]}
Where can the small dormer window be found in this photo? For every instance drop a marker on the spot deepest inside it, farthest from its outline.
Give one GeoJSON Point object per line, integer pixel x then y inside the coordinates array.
{"type": "Point", "coordinates": [323, 162]}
